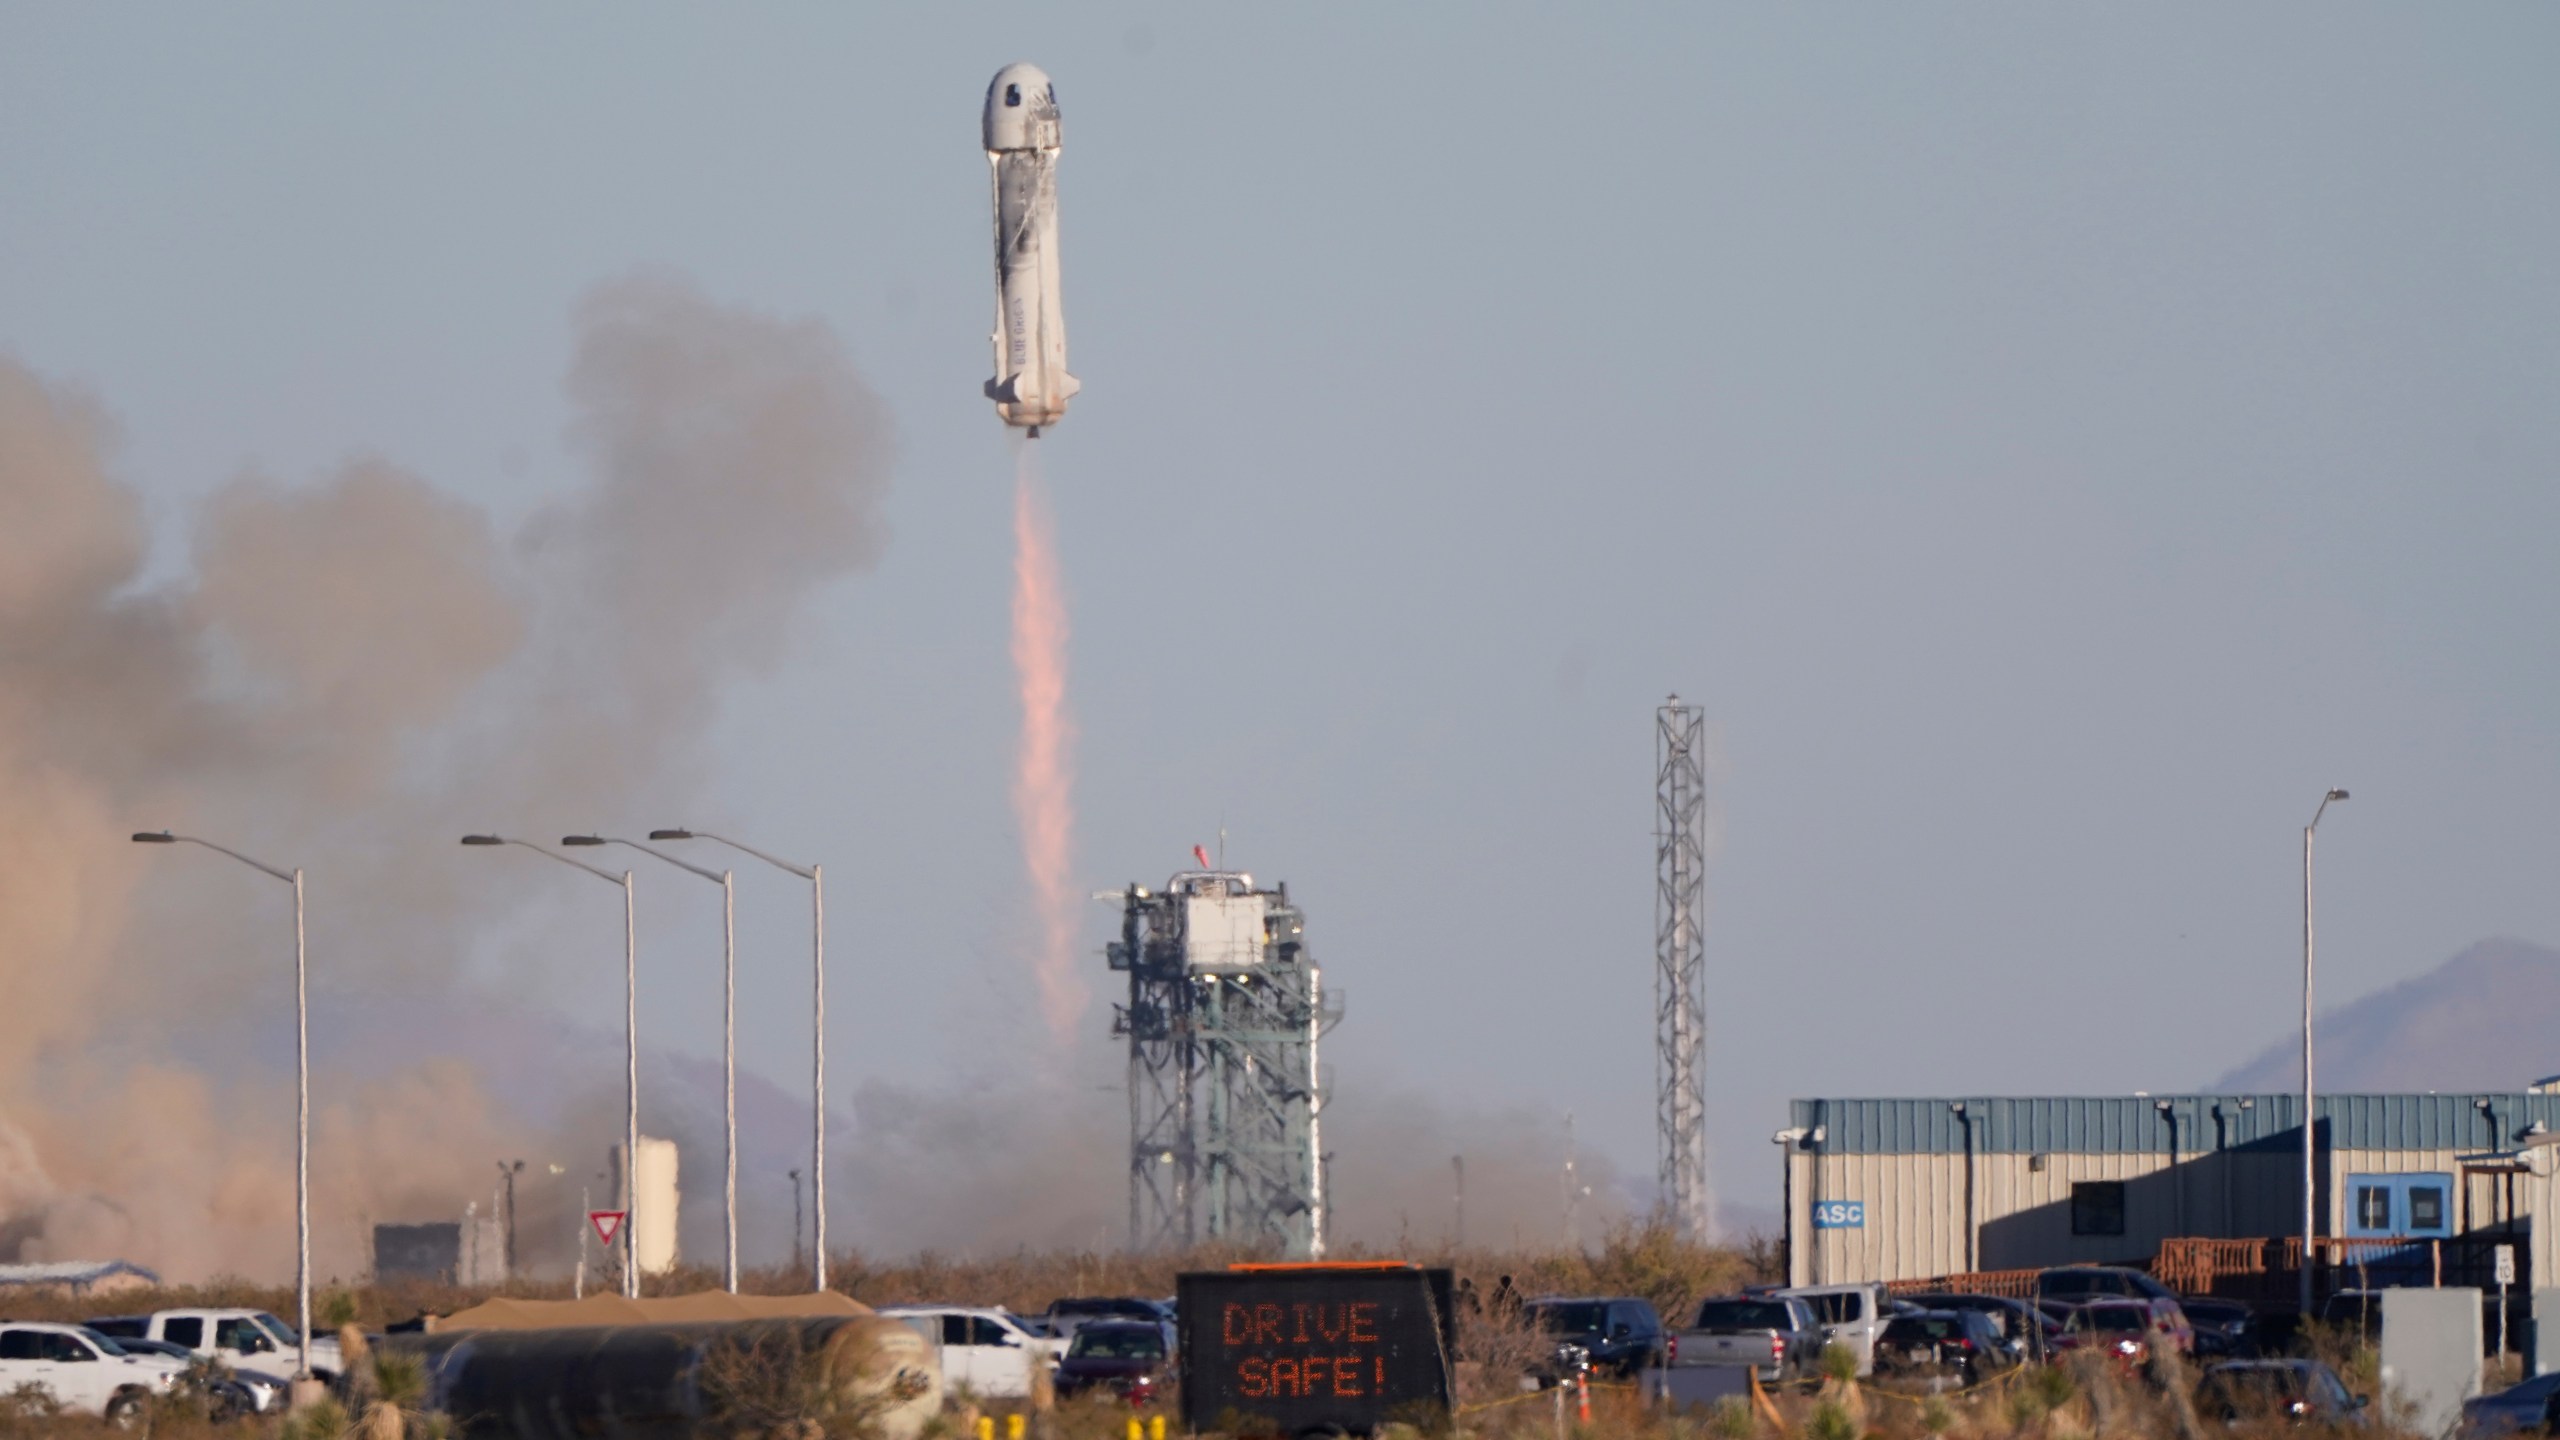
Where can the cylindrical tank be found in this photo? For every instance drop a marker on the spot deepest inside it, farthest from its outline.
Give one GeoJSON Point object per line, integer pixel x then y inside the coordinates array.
{"type": "Point", "coordinates": [667, 1381]}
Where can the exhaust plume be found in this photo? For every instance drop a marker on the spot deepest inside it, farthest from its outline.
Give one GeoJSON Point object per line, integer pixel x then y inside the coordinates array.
{"type": "Point", "coordinates": [1044, 777]}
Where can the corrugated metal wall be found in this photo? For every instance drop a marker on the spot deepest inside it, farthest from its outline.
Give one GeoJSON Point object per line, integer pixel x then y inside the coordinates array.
{"type": "Point", "coordinates": [1916, 1209]}
{"type": "Point", "coordinates": [1988, 1186]}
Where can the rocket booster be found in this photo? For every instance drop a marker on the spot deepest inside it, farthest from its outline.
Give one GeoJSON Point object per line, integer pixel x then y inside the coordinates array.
{"type": "Point", "coordinates": [1031, 383]}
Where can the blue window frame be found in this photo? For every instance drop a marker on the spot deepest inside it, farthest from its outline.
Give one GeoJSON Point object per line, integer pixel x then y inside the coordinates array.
{"type": "Point", "coordinates": [2416, 1205]}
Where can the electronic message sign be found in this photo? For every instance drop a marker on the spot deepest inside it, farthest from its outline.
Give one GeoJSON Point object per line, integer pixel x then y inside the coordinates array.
{"type": "Point", "coordinates": [1315, 1347]}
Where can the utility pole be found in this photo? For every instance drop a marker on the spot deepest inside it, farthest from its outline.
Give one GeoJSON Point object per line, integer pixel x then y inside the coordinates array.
{"type": "Point", "coordinates": [1458, 1165]}
{"type": "Point", "coordinates": [797, 1221]}
{"type": "Point", "coordinates": [507, 1173]}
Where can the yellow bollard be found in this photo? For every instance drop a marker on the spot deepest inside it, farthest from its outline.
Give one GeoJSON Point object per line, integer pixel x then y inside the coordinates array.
{"type": "Point", "coordinates": [1136, 1430]}
{"type": "Point", "coordinates": [1155, 1428]}
{"type": "Point", "coordinates": [1013, 1427]}
{"type": "Point", "coordinates": [986, 1427]}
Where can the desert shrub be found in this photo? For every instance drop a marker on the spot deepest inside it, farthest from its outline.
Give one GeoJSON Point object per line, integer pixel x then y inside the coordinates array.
{"type": "Point", "coordinates": [1731, 1419]}
{"type": "Point", "coordinates": [1839, 1364]}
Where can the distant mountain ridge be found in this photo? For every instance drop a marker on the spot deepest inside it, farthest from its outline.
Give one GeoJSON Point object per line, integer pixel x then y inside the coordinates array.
{"type": "Point", "coordinates": [2486, 1020]}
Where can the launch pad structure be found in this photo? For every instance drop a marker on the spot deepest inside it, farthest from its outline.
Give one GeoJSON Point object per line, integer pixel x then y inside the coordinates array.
{"type": "Point", "coordinates": [1225, 1016]}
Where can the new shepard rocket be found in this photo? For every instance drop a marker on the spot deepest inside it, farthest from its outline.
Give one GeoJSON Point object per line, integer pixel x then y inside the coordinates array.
{"type": "Point", "coordinates": [1031, 383]}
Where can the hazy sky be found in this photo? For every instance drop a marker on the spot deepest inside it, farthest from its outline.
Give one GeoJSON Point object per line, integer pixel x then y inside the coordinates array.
{"type": "Point", "coordinates": [2052, 444]}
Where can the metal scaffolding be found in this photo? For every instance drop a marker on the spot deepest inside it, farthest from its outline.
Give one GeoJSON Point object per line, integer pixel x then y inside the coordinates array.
{"type": "Point", "coordinates": [1224, 1018]}
{"type": "Point", "coordinates": [1680, 965]}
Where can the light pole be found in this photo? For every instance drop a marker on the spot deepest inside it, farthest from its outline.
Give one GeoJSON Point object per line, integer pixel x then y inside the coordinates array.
{"type": "Point", "coordinates": [818, 1031]}
{"type": "Point", "coordinates": [630, 1050]}
{"type": "Point", "coordinates": [301, 1088]}
{"type": "Point", "coordinates": [797, 1220]}
{"type": "Point", "coordinates": [507, 1174]}
{"type": "Point", "coordinates": [2309, 1127]}
{"type": "Point", "coordinates": [728, 1028]}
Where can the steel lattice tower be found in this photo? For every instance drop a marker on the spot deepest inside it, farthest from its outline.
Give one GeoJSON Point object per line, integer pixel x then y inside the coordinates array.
{"type": "Point", "coordinates": [1680, 964]}
{"type": "Point", "coordinates": [1224, 1015]}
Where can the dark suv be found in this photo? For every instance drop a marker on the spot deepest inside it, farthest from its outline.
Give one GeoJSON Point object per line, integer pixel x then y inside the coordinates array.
{"type": "Point", "coordinates": [1960, 1343]}
{"type": "Point", "coordinates": [1622, 1336]}
{"type": "Point", "coordinates": [2023, 1328]}
{"type": "Point", "coordinates": [2076, 1283]}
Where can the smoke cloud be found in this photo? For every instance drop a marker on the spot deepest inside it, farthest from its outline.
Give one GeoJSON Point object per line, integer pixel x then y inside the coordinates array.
{"type": "Point", "coordinates": [353, 671]}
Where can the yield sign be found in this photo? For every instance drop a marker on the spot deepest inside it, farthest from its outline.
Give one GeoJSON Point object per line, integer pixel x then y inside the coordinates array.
{"type": "Point", "coordinates": [608, 1223]}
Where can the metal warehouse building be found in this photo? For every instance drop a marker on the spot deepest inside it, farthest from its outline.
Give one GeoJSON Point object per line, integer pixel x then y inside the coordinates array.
{"type": "Point", "coordinates": [2410, 1188]}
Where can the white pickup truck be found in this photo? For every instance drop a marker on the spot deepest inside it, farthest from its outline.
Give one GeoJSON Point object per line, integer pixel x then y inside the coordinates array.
{"type": "Point", "coordinates": [82, 1372]}
{"type": "Point", "coordinates": [990, 1353]}
{"type": "Point", "coordinates": [1852, 1316]}
{"type": "Point", "coordinates": [242, 1339]}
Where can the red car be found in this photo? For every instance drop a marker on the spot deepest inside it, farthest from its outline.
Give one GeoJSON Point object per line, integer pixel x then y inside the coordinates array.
{"type": "Point", "coordinates": [2133, 1331]}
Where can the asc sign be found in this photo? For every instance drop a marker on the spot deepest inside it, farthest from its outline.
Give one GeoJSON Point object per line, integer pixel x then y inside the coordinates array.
{"type": "Point", "coordinates": [1315, 1347]}
{"type": "Point", "coordinates": [1840, 1215]}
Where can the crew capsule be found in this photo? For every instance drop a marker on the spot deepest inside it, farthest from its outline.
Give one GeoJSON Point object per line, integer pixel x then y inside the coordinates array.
{"type": "Point", "coordinates": [1022, 110]}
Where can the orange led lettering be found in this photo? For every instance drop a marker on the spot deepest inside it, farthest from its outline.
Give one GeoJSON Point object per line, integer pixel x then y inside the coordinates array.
{"type": "Point", "coordinates": [1237, 1325]}
{"type": "Point", "coordinates": [1284, 1373]}
{"type": "Point", "coordinates": [1382, 1374]}
{"type": "Point", "coordinates": [1334, 1330]}
{"type": "Point", "coordinates": [1346, 1375]}
{"type": "Point", "coordinates": [1255, 1374]}
{"type": "Point", "coordinates": [1364, 1321]}
{"type": "Point", "coordinates": [1301, 1312]}
{"type": "Point", "coordinates": [1266, 1324]}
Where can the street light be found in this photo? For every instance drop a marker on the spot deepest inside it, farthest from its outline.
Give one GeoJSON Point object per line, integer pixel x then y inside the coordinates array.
{"type": "Point", "coordinates": [507, 1177]}
{"type": "Point", "coordinates": [2308, 1127]}
{"type": "Point", "coordinates": [630, 1052]}
{"type": "Point", "coordinates": [301, 1087]}
{"type": "Point", "coordinates": [818, 1027]}
{"type": "Point", "coordinates": [728, 1025]}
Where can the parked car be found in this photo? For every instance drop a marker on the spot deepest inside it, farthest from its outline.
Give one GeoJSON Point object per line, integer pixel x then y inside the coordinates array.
{"type": "Point", "coordinates": [1066, 1314]}
{"type": "Point", "coordinates": [1776, 1335]}
{"type": "Point", "coordinates": [1958, 1345]}
{"type": "Point", "coordinates": [251, 1339]}
{"type": "Point", "coordinates": [2164, 1324]}
{"type": "Point", "coordinates": [2057, 1311]}
{"type": "Point", "coordinates": [987, 1352]}
{"type": "Point", "coordinates": [2225, 1329]}
{"type": "Point", "coordinates": [2123, 1329]}
{"type": "Point", "coordinates": [2088, 1282]}
{"type": "Point", "coordinates": [2359, 1310]}
{"type": "Point", "coordinates": [2239, 1391]}
{"type": "Point", "coordinates": [2529, 1407]}
{"type": "Point", "coordinates": [1851, 1316]}
{"type": "Point", "coordinates": [82, 1370]}
{"type": "Point", "coordinates": [228, 1392]}
{"type": "Point", "coordinates": [1617, 1335]}
{"type": "Point", "coordinates": [2024, 1328]}
{"type": "Point", "coordinates": [1129, 1358]}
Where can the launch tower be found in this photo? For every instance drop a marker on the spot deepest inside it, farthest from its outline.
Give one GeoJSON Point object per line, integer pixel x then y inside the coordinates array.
{"type": "Point", "coordinates": [1225, 1012]}
{"type": "Point", "coordinates": [1680, 964]}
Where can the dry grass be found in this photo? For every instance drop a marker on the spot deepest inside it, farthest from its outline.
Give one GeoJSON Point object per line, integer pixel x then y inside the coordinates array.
{"type": "Point", "coordinates": [1495, 1348]}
